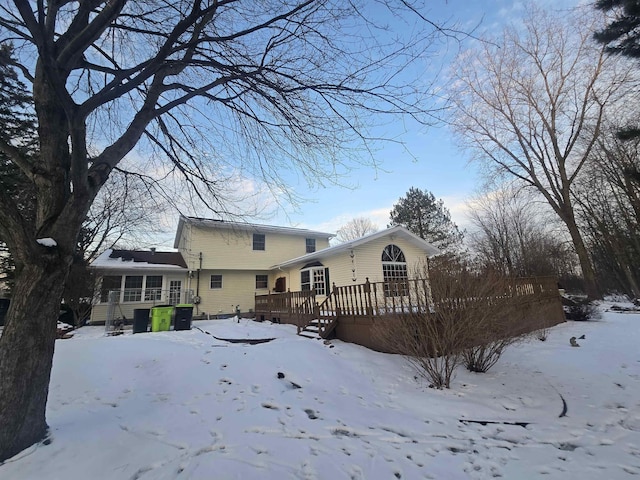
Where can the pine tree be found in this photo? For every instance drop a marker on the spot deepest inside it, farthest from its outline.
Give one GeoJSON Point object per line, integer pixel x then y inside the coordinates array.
{"type": "Point", "coordinates": [420, 213]}
{"type": "Point", "coordinates": [16, 121]}
{"type": "Point", "coordinates": [622, 36]}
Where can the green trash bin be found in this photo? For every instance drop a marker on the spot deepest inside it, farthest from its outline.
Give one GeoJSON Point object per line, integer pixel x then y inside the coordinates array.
{"type": "Point", "coordinates": [161, 318]}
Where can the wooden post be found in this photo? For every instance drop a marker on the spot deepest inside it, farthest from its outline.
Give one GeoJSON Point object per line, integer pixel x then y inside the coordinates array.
{"type": "Point", "coordinates": [369, 306]}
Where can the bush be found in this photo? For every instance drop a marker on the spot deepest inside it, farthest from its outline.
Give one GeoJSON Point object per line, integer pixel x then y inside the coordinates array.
{"type": "Point", "coordinates": [581, 311]}
{"type": "Point", "coordinates": [465, 324]}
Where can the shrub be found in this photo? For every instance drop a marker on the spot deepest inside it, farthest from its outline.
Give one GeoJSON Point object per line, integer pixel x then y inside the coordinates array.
{"type": "Point", "coordinates": [581, 311]}
{"type": "Point", "coordinates": [463, 319]}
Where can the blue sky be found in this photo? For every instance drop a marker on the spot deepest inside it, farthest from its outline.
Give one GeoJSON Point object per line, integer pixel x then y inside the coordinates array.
{"type": "Point", "coordinates": [429, 160]}
{"type": "Point", "coordinates": [434, 163]}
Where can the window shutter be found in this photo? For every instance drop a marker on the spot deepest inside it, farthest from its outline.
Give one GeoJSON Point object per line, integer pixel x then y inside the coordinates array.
{"type": "Point", "coordinates": [327, 282]}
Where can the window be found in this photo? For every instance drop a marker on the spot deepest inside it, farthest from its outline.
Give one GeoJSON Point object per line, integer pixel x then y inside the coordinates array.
{"type": "Point", "coordinates": [314, 278]}
{"type": "Point", "coordinates": [153, 288]}
{"type": "Point", "coordinates": [394, 272]}
{"type": "Point", "coordinates": [262, 281]}
{"type": "Point", "coordinates": [216, 281]}
{"type": "Point", "coordinates": [110, 283]}
{"type": "Point", "coordinates": [132, 288]}
{"type": "Point", "coordinates": [258, 241]}
{"type": "Point", "coordinates": [310, 245]}
{"type": "Point", "coordinates": [392, 253]}
{"type": "Point", "coordinates": [305, 280]}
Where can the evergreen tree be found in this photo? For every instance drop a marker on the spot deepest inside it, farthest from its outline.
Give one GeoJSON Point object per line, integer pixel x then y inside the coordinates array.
{"type": "Point", "coordinates": [16, 121]}
{"type": "Point", "coordinates": [622, 36]}
{"type": "Point", "coordinates": [420, 213]}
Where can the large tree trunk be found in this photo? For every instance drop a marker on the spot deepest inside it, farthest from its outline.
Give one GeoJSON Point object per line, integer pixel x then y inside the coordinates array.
{"type": "Point", "coordinates": [26, 351]}
{"type": "Point", "coordinates": [588, 273]}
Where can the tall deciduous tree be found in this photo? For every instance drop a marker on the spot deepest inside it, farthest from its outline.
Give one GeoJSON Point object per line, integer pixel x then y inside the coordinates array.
{"type": "Point", "coordinates": [609, 212]}
{"type": "Point", "coordinates": [258, 86]}
{"type": "Point", "coordinates": [531, 103]}
{"type": "Point", "coordinates": [356, 228]}
{"type": "Point", "coordinates": [420, 213]}
{"type": "Point", "coordinates": [511, 236]}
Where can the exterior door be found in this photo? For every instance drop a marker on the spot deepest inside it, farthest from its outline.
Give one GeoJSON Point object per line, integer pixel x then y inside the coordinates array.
{"type": "Point", "coordinates": [175, 291]}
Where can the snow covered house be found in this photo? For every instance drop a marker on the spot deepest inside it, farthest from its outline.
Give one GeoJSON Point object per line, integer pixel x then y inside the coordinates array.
{"type": "Point", "coordinates": [223, 266]}
{"type": "Point", "coordinates": [130, 279]}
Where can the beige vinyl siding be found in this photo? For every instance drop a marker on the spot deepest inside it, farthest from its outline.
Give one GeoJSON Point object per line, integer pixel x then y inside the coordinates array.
{"type": "Point", "coordinates": [233, 249]}
{"type": "Point", "coordinates": [369, 258]}
{"type": "Point", "coordinates": [238, 288]}
{"type": "Point", "coordinates": [367, 262]}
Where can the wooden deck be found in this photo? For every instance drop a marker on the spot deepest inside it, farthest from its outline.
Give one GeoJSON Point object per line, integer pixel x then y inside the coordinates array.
{"type": "Point", "coordinates": [350, 311]}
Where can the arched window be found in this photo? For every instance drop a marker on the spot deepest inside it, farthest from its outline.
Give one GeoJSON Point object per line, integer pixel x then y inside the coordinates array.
{"type": "Point", "coordinates": [392, 253]}
{"type": "Point", "coordinates": [394, 271]}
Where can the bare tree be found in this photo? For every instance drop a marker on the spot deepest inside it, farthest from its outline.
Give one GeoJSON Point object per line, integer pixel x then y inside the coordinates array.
{"type": "Point", "coordinates": [531, 104]}
{"type": "Point", "coordinates": [608, 199]}
{"type": "Point", "coordinates": [512, 235]}
{"type": "Point", "coordinates": [127, 211]}
{"type": "Point", "coordinates": [356, 228]}
{"type": "Point", "coordinates": [260, 86]}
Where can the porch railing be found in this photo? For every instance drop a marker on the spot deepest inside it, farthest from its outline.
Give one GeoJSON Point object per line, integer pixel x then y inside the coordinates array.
{"type": "Point", "coordinates": [370, 300]}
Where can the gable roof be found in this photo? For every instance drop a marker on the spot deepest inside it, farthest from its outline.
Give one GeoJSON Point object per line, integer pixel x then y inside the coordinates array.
{"type": "Point", "coordinates": [245, 227]}
{"type": "Point", "coordinates": [139, 259]}
{"type": "Point", "coordinates": [392, 232]}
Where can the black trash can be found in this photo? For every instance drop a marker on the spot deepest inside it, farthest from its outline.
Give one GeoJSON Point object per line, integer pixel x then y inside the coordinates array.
{"type": "Point", "coordinates": [141, 320]}
{"type": "Point", "coordinates": [183, 316]}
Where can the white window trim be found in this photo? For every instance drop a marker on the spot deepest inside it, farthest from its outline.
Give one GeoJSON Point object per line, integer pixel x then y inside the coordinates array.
{"type": "Point", "coordinates": [142, 290]}
{"type": "Point", "coordinates": [312, 282]}
{"type": "Point", "coordinates": [221, 281]}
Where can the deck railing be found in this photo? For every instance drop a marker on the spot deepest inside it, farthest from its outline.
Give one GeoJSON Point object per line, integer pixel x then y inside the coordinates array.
{"type": "Point", "coordinates": [369, 300]}
{"type": "Point", "coordinates": [290, 307]}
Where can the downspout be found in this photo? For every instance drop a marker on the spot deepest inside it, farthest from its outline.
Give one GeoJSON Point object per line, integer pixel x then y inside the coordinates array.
{"type": "Point", "coordinates": [198, 283]}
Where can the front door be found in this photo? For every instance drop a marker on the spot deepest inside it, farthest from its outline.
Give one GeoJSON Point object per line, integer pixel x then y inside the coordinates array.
{"type": "Point", "coordinates": [175, 289]}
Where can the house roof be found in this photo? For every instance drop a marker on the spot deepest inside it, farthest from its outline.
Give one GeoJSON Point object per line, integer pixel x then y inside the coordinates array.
{"type": "Point", "coordinates": [139, 259]}
{"type": "Point", "coordinates": [393, 232]}
{"type": "Point", "coordinates": [246, 227]}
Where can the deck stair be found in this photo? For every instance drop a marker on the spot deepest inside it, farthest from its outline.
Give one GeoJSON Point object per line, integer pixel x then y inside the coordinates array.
{"type": "Point", "coordinates": [311, 330]}
{"type": "Point", "coordinates": [323, 322]}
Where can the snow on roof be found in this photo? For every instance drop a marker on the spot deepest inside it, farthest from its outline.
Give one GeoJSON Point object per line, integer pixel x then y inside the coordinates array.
{"type": "Point", "coordinates": [396, 231]}
{"type": "Point", "coordinates": [139, 259]}
{"type": "Point", "coordinates": [246, 227]}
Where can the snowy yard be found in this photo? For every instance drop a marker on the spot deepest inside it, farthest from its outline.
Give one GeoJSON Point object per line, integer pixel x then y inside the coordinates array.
{"type": "Point", "coordinates": [178, 405]}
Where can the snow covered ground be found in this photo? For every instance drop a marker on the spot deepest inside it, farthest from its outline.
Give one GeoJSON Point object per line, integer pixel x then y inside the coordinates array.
{"type": "Point", "coordinates": [183, 405]}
